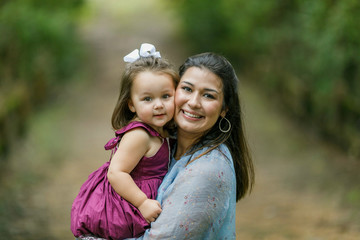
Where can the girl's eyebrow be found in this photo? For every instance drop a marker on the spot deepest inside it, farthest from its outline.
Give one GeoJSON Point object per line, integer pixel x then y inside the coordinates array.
{"type": "Point", "coordinates": [206, 89]}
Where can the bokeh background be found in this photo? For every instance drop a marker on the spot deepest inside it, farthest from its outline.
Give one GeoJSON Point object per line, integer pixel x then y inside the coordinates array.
{"type": "Point", "coordinates": [298, 64]}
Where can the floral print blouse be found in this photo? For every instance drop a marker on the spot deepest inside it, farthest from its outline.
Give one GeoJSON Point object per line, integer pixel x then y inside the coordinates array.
{"type": "Point", "coordinates": [198, 200]}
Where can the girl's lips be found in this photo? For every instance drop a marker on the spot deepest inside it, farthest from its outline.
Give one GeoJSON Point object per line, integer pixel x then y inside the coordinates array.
{"type": "Point", "coordinates": [191, 115]}
{"type": "Point", "coordinates": [159, 115]}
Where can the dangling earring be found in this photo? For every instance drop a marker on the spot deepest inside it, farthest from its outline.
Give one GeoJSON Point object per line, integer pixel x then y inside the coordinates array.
{"type": "Point", "coordinates": [228, 122]}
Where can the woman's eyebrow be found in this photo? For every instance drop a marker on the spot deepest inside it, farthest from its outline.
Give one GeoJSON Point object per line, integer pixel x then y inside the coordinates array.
{"type": "Point", "coordinates": [211, 90]}
{"type": "Point", "coordinates": [188, 83]}
{"type": "Point", "coordinates": [206, 89]}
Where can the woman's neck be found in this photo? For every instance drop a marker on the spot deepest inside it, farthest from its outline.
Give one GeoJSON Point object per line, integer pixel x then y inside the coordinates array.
{"type": "Point", "coordinates": [184, 143]}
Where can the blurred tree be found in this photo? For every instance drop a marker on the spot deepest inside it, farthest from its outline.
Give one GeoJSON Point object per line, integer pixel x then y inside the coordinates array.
{"type": "Point", "coordinates": [39, 50]}
{"type": "Point", "coordinates": [304, 54]}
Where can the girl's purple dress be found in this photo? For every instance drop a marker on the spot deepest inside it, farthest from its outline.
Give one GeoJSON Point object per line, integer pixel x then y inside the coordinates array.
{"type": "Point", "coordinates": [99, 211]}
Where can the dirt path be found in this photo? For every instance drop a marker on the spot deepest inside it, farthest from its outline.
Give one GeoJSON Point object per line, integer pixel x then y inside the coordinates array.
{"type": "Point", "coordinates": [289, 200]}
{"type": "Point", "coordinates": [301, 183]}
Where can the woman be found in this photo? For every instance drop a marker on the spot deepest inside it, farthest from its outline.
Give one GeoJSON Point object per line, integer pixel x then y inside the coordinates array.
{"type": "Point", "coordinates": [211, 167]}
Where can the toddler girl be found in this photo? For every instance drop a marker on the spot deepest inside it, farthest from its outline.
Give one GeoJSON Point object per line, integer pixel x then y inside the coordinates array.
{"type": "Point", "coordinates": [118, 200]}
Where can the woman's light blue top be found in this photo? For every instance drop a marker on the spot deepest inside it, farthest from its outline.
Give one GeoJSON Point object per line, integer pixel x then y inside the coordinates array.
{"type": "Point", "coordinates": [198, 200]}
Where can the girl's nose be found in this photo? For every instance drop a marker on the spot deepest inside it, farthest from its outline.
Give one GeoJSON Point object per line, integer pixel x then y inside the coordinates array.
{"type": "Point", "coordinates": [158, 104]}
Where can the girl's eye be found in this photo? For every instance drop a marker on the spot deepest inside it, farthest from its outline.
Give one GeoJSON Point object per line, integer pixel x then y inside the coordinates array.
{"type": "Point", "coordinates": [147, 99]}
{"type": "Point", "coordinates": [166, 96]}
{"type": "Point", "coordinates": [187, 89]}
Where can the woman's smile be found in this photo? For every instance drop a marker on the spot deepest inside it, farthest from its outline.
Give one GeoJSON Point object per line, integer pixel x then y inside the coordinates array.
{"type": "Point", "coordinates": [191, 115]}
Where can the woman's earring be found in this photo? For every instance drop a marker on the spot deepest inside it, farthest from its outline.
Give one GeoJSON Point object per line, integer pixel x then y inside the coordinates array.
{"type": "Point", "coordinates": [229, 125]}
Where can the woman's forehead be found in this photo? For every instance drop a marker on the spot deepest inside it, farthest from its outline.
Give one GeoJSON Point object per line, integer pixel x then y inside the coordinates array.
{"type": "Point", "coordinates": [201, 77]}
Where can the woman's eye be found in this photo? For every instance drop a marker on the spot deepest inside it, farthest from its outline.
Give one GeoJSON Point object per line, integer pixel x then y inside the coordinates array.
{"type": "Point", "coordinates": [166, 96]}
{"type": "Point", "coordinates": [187, 89]}
{"type": "Point", "coordinates": [207, 95]}
{"type": "Point", "coordinates": [147, 99]}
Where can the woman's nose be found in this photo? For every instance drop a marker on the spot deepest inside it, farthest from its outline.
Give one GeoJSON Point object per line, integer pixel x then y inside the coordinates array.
{"type": "Point", "coordinates": [194, 101]}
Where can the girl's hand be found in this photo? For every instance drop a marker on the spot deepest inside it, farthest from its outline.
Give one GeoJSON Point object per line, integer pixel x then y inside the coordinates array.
{"type": "Point", "coordinates": [150, 209]}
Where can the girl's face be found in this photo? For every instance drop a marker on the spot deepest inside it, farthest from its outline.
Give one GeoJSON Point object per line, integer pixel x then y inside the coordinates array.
{"type": "Point", "coordinates": [198, 101]}
{"type": "Point", "coordinates": [152, 98]}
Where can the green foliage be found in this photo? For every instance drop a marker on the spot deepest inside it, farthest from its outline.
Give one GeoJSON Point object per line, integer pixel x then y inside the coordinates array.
{"type": "Point", "coordinates": [37, 42]}
{"type": "Point", "coordinates": [39, 51]}
{"type": "Point", "coordinates": [305, 54]}
{"type": "Point", "coordinates": [353, 196]}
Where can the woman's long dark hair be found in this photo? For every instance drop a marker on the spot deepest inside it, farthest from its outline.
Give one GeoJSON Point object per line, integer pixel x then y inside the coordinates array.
{"type": "Point", "coordinates": [235, 138]}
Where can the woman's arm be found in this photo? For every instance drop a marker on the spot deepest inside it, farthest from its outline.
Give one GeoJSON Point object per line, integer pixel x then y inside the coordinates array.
{"type": "Point", "coordinates": [197, 202]}
{"type": "Point", "coordinates": [133, 146]}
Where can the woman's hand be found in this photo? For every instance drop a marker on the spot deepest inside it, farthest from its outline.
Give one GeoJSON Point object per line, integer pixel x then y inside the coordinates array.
{"type": "Point", "coordinates": [150, 209]}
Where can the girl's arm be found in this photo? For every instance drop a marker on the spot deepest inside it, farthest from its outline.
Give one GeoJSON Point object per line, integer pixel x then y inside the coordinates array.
{"type": "Point", "coordinates": [133, 146]}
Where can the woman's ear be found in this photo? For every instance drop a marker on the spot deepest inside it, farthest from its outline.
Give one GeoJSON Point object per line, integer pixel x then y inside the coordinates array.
{"type": "Point", "coordinates": [223, 112]}
{"type": "Point", "coordinates": [131, 106]}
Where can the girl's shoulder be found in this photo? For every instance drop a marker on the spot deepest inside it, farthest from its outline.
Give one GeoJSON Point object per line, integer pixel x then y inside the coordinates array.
{"type": "Point", "coordinates": [139, 131]}
{"type": "Point", "coordinates": [136, 124]}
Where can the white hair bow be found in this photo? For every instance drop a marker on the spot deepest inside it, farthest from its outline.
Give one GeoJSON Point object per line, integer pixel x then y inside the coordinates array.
{"type": "Point", "coordinates": [146, 50]}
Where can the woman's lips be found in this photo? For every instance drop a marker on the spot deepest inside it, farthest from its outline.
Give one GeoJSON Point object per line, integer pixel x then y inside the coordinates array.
{"type": "Point", "coordinates": [191, 115]}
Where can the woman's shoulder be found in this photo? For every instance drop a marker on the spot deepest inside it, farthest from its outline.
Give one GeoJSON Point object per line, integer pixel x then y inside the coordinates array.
{"type": "Point", "coordinates": [221, 152]}
{"type": "Point", "coordinates": [211, 169]}
{"type": "Point", "coordinates": [217, 158]}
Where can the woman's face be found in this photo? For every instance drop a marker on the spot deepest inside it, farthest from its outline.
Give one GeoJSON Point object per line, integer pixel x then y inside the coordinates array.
{"type": "Point", "coordinates": [198, 101]}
